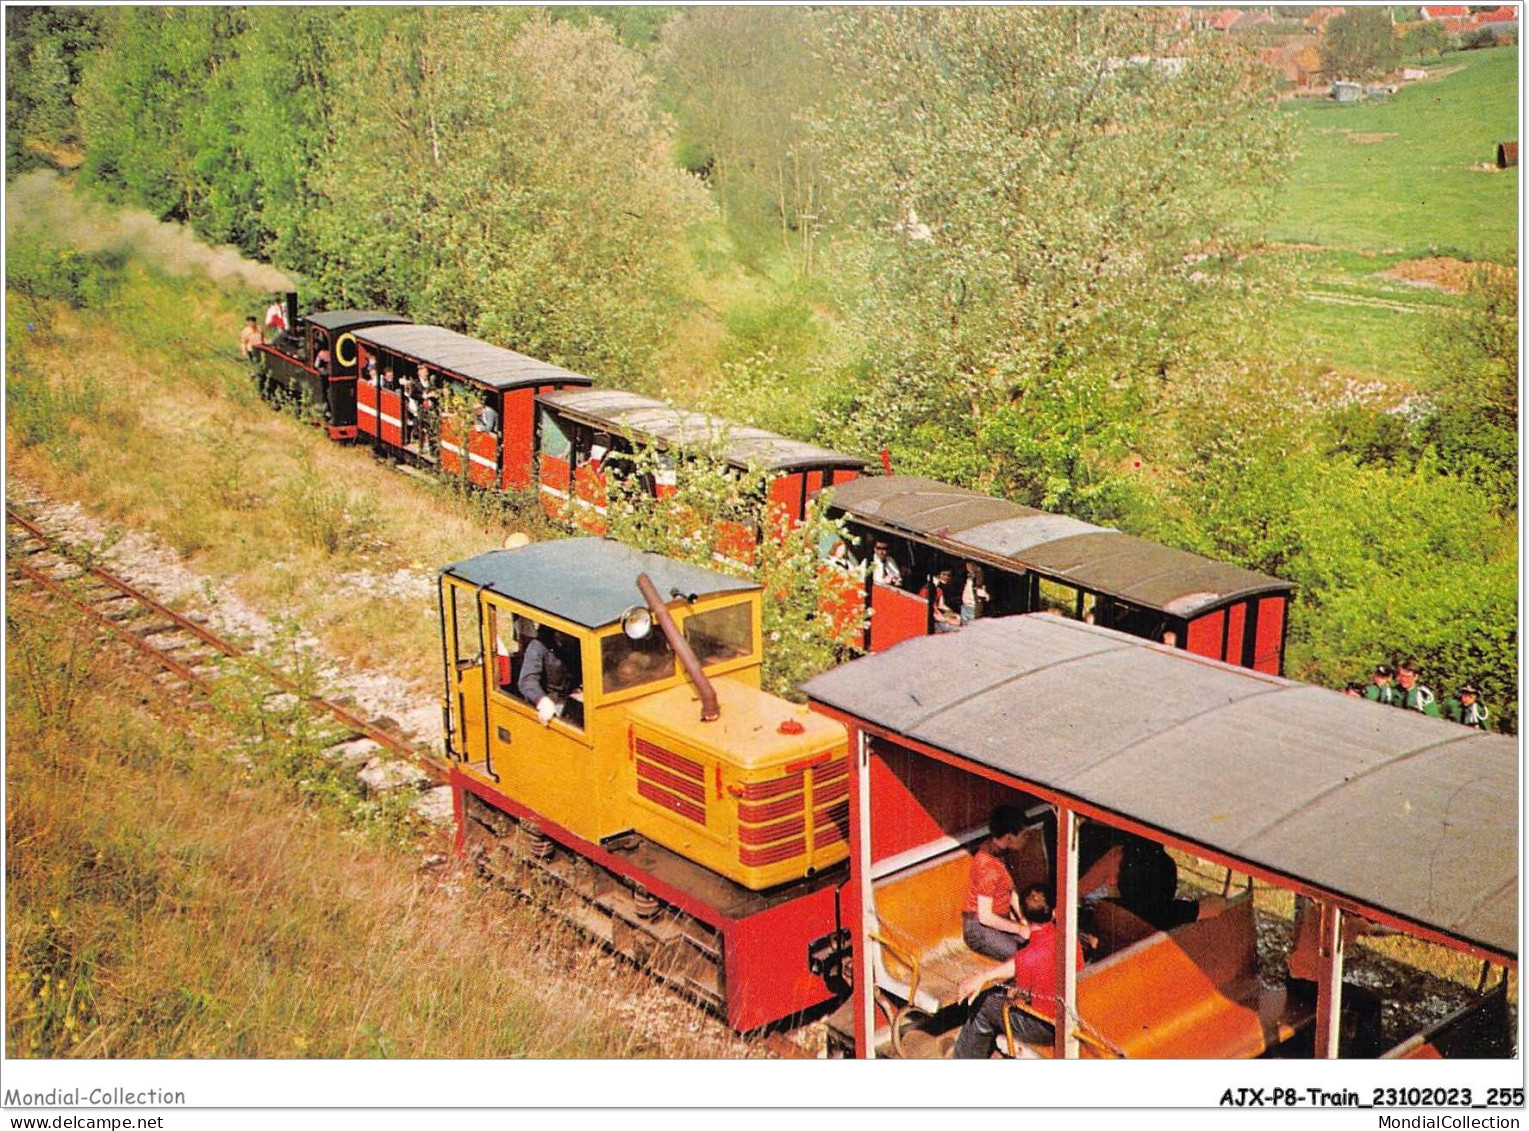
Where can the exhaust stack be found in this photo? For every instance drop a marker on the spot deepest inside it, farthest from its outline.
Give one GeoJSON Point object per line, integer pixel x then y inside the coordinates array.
{"type": "Point", "coordinates": [710, 710]}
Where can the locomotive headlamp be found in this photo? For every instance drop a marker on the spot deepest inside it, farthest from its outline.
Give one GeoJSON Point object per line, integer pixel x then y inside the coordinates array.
{"type": "Point", "coordinates": [637, 623]}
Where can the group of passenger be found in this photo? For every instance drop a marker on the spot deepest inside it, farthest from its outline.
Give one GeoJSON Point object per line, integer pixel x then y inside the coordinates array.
{"type": "Point", "coordinates": [970, 600]}
{"type": "Point", "coordinates": [1399, 687]}
{"type": "Point", "coordinates": [1017, 929]}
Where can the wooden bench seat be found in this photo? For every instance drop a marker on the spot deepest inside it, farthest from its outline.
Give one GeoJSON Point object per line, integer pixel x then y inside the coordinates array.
{"type": "Point", "coordinates": [1193, 991]}
{"type": "Point", "coordinates": [917, 954]}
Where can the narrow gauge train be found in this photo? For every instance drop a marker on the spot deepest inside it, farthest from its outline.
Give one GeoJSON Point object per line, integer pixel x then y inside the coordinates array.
{"type": "Point", "coordinates": [568, 440]}
{"type": "Point", "coordinates": [434, 371]}
{"type": "Point", "coordinates": [1375, 816]}
{"type": "Point", "coordinates": [680, 814]}
{"type": "Point", "coordinates": [1031, 560]}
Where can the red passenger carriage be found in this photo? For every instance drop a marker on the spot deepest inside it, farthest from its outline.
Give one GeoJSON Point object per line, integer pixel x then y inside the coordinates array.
{"type": "Point", "coordinates": [430, 411]}
{"type": "Point", "coordinates": [1032, 560]}
{"type": "Point", "coordinates": [588, 434]}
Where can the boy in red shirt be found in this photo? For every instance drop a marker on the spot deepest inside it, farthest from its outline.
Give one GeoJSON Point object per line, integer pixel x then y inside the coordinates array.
{"type": "Point", "coordinates": [987, 923]}
{"type": "Point", "coordinates": [1031, 973]}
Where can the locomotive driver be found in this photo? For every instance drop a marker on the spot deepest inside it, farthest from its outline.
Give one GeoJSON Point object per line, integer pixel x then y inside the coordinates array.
{"type": "Point", "coordinates": [545, 680]}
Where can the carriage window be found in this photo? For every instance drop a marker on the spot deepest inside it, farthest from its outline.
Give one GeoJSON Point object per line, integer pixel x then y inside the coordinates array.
{"type": "Point", "coordinates": [1059, 598]}
{"type": "Point", "coordinates": [627, 663]}
{"type": "Point", "coordinates": [555, 442]}
{"type": "Point", "coordinates": [469, 635]}
{"type": "Point", "coordinates": [721, 634]}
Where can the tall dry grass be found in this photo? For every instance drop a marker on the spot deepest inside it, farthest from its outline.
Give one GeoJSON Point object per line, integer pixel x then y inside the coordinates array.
{"type": "Point", "coordinates": [169, 897]}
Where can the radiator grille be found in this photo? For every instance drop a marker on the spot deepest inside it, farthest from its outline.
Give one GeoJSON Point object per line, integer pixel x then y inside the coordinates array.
{"type": "Point", "coordinates": [671, 781]}
{"type": "Point", "coordinates": [795, 814]}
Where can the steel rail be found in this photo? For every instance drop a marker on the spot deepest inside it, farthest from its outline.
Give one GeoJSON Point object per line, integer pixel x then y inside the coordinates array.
{"type": "Point", "coordinates": [383, 738]}
{"type": "Point", "coordinates": [159, 656]}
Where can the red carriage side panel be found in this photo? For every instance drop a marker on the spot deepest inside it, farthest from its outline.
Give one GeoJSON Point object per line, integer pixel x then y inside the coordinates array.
{"type": "Point", "coordinates": [553, 479]}
{"type": "Point", "coordinates": [1236, 620]}
{"type": "Point", "coordinates": [451, 445]}
{"type": "Point", "coordinates": [844, 475]}
{"type": "Point", "coordinates": [789, 492]}
{"type": "Point", "coordinates": [366, 408]}
{"type": "Point", "coordinates": [483, 455]}
{"type": "Point", "coordinates": [915, 800]}
{"type": "Point", "coordinates": [518, 421]}
{"type": "Point", "coordinates": [896, 615]}
{"type": "Point", "coordinates": [1205, 634]}
{"type": "Point", "coordinates": [589, 497]}
{"type": "Point", "coordinates": [1269, 641]}
{"type": "Point", "coordinates": [390, 416]}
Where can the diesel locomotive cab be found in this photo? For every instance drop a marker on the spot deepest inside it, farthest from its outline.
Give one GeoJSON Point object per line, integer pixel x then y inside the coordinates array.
{"type": "Point", "coordinates": [715, 820]}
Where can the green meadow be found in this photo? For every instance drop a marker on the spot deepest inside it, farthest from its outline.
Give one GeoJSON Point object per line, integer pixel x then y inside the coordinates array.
{"type": "Point", "coordinates": [1385, 181]}
{"type": "Point", "coordinates": [1410, 172]}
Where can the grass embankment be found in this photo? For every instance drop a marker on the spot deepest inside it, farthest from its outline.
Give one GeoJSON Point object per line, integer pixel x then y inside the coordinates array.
{"type": "Point", "coordinates": [1386, 181]}
{"type": "Point", "coordinates": [129, 408]}
{"type": "Point", "coordinates": [166, 899]}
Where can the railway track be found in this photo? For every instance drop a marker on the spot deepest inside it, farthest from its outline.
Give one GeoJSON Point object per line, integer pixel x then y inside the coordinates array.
{"type": "Point", "coordinates": [178, 644]}
{"type": "Point", "coordinates": [190, 653]}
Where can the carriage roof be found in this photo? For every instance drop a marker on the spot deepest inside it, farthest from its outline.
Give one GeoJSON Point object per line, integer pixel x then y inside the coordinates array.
{"type": "Point", "coordinates": [450, 352]}
{"type": "Point", "coordinates": [1394, 811]}
{"type": "Point", "coordinates": [1008, 535]}
{"type": "Point", "coordinates": [743, 447]}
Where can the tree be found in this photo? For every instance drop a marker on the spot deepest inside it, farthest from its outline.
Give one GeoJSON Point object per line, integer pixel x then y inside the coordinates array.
{"type": "Point", "coordinates": [1048, 206]}
{"type": "Point", "coordinates": [510, 178]}
{"type": "Point", "coordinates": [740, 81]}
{"type": "Point", "coordinates": [1360, 44]}
{"type": "Point", "coordinates": [46, 48]}
{"type": "Point", "coordinates": [1424, 39]}
{"type": "Point", "coordinates": [1474, 428]}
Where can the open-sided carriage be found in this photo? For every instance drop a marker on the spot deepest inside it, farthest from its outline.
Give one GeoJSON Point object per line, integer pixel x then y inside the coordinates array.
{"type": "Point", "coordinates": [1373, 817]}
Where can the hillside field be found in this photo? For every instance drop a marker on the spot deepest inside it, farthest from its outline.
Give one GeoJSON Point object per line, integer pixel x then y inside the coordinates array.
{"type": "Point", "coordinates": [1386, 182]}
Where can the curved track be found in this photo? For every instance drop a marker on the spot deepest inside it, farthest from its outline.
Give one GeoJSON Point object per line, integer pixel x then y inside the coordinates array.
{"type": "Point", "coordinates": [177, 643]}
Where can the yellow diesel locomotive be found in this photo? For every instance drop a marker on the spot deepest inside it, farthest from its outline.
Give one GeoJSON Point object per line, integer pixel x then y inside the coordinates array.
{"type": "Point", "coordinates": [606, 731]}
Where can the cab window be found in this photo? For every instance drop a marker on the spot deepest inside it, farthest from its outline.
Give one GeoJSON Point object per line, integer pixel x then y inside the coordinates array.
{"type": "Point", "coordinates": [547, 662]}
{"type": "Point", "coordinates": [626, 663]}
{"type": "Point", "coordinates": [721, 634]}
{"type": "Point", "coordinates": [469, 636]}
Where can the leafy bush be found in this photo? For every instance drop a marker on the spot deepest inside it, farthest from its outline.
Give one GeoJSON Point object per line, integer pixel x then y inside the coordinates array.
{"type": "Point", "coordinates": [40, 271]}
{"type": "Point", "coordinates": [326, 514]}
{"type": "Point", "coordinates": [806, 629]}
